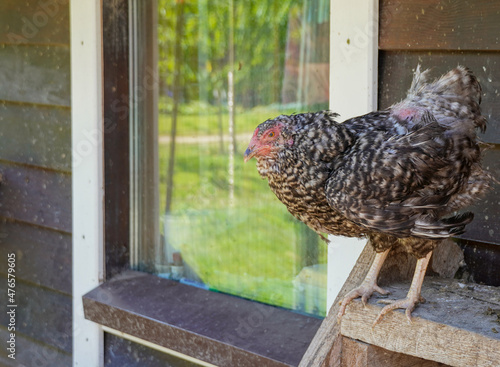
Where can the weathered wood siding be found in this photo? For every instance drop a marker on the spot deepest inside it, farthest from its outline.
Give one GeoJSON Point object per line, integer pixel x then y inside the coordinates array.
{"type": "Point", "coordinates": [441, 34]}
{"type": "Point", "coordinates": [35, 192]}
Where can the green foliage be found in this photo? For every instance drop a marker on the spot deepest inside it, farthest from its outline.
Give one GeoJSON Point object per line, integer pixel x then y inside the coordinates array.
{"type": "Point", "coordinates": [259, 38]}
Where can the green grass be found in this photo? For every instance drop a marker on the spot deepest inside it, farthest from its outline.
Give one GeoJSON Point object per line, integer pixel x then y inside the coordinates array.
{"type": "Point", "coordinates": [254, 249]}
{"type": "Point", "coordinates": [199, 124]}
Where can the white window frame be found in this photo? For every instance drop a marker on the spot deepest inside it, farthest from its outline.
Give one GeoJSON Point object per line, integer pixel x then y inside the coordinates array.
{"type": "Point", "coordinates": [353, 91]}
{"type": "Point", "coordinates": [87, 174]}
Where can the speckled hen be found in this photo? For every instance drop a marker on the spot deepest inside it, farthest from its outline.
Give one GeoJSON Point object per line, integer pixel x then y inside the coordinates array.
{"type": "Point", "coordinates": [397, 176]}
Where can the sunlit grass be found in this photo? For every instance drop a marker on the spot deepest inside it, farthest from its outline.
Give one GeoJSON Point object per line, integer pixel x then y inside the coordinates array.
{"type": "Point", "coordinates": [201, 124]}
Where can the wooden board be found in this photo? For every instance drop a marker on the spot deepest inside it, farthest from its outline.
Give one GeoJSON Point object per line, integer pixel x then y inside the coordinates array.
{"type": "Point", "coordinates": [37, 250]}
{"type": "Point", "coordinates": [29, 22]}
{"type": "Point", "coordinates": [359, 354]}
{"type": "Point", "coordinates": [439, 25]}
{"type": "Point", "coordinates": [458, 325]}
{"type": "Point", "coordinates": [32, 353]}
{"type": "Point", "coordinates": [35, 74]}
{"type": "Point", "coordinates": [486, 224]}
{"type": "Point", "coordinates": [36, 135]}
{"type": "Point", "coordinates": [36, 196]}
{"type": "Point", "coordinates": [42, 315]}
{"type": "Point", "coordinates": [396, 73]}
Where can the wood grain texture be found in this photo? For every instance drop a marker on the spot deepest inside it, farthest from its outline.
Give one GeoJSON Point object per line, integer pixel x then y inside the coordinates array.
{"type": "Point", "coordinates": [439, 25]}
{"type": "Point", "coordinates": [35, 74]}
{"type": "Point", "coordinates": [326, 345]}
{"type": "Point", "coordinates": [43, 255]}
{"type": "Point", "coordinates": [36, 196]}
{"type": "Point", "coordinates": [455, 326]}
{"type": "Point", "coordinates": [34, 22]}
{"type": "Point", "coordinates": [42, 315]}
{"type": "Point", "coordinates": [36, 135]}
{"type": "Point", "coordinates": [33, 353]}
{"type": "Point", "coordinates": [359, 354]}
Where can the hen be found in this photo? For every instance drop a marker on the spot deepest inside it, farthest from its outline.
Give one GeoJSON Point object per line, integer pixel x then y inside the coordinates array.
{"type": "Point", "coordinates": [395, 176]}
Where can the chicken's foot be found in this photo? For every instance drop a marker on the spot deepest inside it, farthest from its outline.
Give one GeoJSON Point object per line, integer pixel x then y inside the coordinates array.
{"type": "Point", "coordinates": [368, 286]}
{"type": "Point", "coordinates": [413, 297]}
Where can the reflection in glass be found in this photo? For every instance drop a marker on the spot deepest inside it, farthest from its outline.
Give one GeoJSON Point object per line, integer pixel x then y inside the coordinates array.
{"type": "Point", "coordinates": [224, 67]}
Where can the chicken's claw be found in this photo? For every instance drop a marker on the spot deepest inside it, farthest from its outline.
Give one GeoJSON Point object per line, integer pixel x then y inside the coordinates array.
{"type": "Point", "coordinates": [367, 287]}
{"type": "Point", "coordinates": [409, 303]}
{"type": "Point", "coordinates": [365, 290]}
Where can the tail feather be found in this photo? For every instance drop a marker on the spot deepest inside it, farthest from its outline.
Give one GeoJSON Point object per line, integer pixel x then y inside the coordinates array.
{"type": "Point", "coordinates": [443, 228]}
{"type": "Point", "coordinates": [453, 99]}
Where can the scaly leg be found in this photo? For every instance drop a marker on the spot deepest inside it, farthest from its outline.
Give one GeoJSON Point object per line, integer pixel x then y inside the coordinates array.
{"type": "Point", "coordinates": [368, 286]}
{"type": "Point", "coordinates": [413, 297]}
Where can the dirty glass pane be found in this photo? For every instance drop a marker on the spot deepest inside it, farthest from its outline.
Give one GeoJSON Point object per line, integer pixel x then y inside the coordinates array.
{"type": "Point", "coordinates": [224, 67]}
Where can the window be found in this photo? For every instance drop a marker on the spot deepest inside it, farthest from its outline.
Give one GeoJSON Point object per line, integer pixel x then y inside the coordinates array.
{"type": "Point", "coordinates": [161, 313]}
{"type": "Point", "coordinates": [223, 68]}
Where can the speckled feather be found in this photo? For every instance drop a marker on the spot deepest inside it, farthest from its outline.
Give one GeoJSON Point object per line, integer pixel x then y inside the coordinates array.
{"type": "Point", "coordinates": [391, 175]}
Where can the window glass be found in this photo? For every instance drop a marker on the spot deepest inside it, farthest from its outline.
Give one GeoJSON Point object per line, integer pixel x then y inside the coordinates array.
{"type": "Point", "coordinates": [224, 67]}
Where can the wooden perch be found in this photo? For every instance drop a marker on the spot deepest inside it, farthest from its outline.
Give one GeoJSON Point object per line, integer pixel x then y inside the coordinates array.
{"type": "Point", "coordinates": [459, 325]}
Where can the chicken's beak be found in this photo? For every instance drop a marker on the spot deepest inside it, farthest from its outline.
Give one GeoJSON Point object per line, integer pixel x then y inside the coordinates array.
{"type": "Point", "coordinates": [249, 153]}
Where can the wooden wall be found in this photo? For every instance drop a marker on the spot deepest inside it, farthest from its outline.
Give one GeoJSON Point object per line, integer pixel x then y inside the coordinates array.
{"type": "Point", "coordinates": [35, 192]}
{"type": "Point", "coordinates": [441, 34]}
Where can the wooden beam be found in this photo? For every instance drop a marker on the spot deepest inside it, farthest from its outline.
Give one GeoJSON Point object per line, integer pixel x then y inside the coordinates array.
{"type": "Point", "coordinates": [439, 25]}
{"type": "Point", "coordinates": [458, 325]}
{"type": "Point", "coordinates": [359, 354]}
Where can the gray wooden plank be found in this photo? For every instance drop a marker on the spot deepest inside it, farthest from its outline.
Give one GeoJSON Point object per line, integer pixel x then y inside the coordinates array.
{"type": "Point", "coordinates": [32, 353]}
{"type": "Point", "coordinates": [439, 24]}
{"type": "Point", "coordinates": [43, 255]}
{"type": "Point", "coordinates": [396, 72]}
{"type": "Point", "coordinates": [359, 354]}
{"type": "Point", "coordinates": [25, 21]}
{"type": "Point", "coordinates": [41, 314]}
{"type": "Point", "coordinates": [35, 74]}
{"type": "Point", "coordinates": [36, 135]}
{"type": "Point", "coordinates": [486, 224]}
{"type": "Point", "coordinates": [36, 196]}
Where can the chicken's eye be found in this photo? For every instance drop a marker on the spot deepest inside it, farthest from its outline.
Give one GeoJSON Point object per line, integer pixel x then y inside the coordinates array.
{"type": "Point", "coordinates": [271, 134]}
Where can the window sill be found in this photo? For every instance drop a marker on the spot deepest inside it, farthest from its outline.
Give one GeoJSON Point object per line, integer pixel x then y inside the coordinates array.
{"type": "Point", "coordinates": [213, 327]}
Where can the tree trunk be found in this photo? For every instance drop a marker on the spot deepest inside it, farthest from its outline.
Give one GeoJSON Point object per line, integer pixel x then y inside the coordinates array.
{"type": "Point", "coordinates": [179, 28]}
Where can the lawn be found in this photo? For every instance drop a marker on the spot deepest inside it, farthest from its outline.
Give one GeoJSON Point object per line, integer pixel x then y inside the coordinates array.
{"type": "Point", "coordinates": [254, 248]}
{"type": "Point", "coordinates": [192, 123]}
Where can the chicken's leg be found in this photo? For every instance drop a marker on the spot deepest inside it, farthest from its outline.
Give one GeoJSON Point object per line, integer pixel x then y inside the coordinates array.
{"type": "Point", "coordinates": [413, 297]}
{"type": "Point", "coordinates": [368, 286]}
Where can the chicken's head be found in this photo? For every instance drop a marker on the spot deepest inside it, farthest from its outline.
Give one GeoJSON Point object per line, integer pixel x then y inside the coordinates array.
{"type": "Point", "coordinates": [267, 139]}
